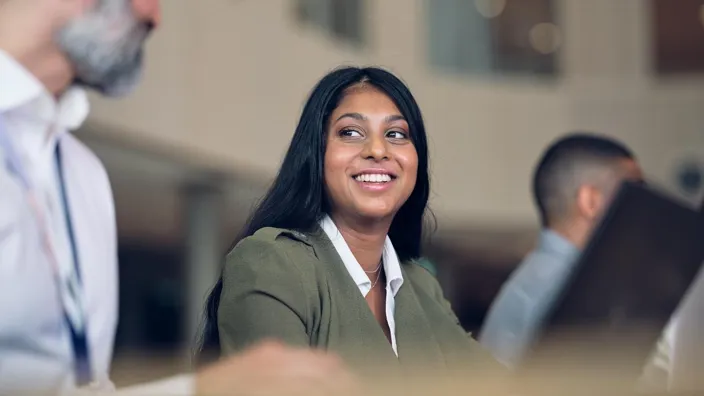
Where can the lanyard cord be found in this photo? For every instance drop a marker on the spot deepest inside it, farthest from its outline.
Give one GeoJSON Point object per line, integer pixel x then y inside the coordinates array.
{"type": "Point", "coordinates": [68, 280]}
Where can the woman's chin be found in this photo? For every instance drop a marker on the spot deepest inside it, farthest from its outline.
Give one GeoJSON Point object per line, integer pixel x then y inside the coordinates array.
{"type": "Point", "coordinates": [376, 213]}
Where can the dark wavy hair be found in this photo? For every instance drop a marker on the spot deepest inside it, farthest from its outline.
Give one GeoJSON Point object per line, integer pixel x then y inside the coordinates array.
{"type": "Point", "coordinates": [297, 199]}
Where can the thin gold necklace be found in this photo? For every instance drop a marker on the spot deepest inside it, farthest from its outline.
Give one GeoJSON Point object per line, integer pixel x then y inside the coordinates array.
{"type": "Point", "coordinates": [378, 276]}
{"type": "Point", "coordinates": [377, 268]}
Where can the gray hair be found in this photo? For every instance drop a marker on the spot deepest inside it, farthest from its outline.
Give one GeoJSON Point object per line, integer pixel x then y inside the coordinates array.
{"type": "Point", "coordinates": [105, 45]}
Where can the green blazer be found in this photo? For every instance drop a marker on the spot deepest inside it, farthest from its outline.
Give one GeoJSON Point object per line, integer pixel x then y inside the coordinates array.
{"type": "Point", "coordinates": [293, 287]}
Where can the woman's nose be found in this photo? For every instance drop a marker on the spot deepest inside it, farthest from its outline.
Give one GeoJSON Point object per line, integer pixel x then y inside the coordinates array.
{"type": "Point", "coordinates": [376, 148]}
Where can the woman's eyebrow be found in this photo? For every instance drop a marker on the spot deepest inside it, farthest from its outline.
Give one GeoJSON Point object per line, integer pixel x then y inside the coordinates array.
{"type": "Point", "coordinates": [361, 117]}
{"type": "Point", "coordinates": [356, 116]}
{"type": "Point", "coordinates": [395, 117]}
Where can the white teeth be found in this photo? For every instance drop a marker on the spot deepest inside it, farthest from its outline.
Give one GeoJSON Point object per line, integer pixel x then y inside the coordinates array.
{"type": "Point", "coordinates": [373, 178]}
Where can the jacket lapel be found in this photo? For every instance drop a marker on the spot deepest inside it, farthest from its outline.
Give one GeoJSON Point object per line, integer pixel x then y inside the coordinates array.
{"type": "Point", "coordinates": [416, 340]}
{"type": "Point", "coordinates": [339, 277]}
{"type": "Point", "coordinates": [352, 304]}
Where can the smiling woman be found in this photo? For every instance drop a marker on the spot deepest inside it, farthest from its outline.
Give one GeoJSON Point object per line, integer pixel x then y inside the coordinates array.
{"type": "Point", "coordinates": [370, 160]}
{"type": "Point", "coordinates": [328, 259]}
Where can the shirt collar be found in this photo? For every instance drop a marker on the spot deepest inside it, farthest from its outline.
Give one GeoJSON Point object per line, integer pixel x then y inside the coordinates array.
{"type": "Point", "coordinates": [557, 244]}
{"type": "Point", "coordinates": [22, 93]}
{"type": "Point", "coordinates": [392, 266]}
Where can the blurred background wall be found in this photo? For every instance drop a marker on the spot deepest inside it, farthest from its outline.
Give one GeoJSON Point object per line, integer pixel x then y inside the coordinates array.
{"type": "Point", "coordinates": [497, 80]}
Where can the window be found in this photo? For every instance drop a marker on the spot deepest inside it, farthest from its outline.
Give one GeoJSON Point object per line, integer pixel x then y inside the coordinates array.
{"type": "Point", "coordinates": [493, 36]}
{"type": "Point", "coordinates": [678, 36]}
{"type": "Point", "coordinates": [340, 18]}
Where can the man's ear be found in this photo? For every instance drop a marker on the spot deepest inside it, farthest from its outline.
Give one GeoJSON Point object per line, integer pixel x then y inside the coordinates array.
{"type": "Point", "coordinates": [589, 201]}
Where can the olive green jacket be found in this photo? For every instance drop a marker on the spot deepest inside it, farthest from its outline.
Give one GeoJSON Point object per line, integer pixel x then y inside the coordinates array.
{"type": "Point", "coordinates": [293, 287]}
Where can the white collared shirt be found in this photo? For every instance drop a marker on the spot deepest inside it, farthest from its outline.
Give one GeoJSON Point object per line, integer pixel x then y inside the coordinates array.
{"type": "Point", "coordinates": [680, 350]}
{"type": "Point", "coordinates": [392, 269]}
{"type": "Point", "coordinates": [35, 345]}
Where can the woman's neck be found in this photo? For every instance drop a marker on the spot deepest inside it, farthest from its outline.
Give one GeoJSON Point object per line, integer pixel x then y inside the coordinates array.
{"type": "Point", "coordinates": [366, 241]}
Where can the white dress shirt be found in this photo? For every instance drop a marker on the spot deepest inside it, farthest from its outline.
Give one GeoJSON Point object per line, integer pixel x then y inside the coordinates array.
{"type": "Point", "coordinates": [35, 345]}
{"type": "Point", "coordinates": [680, 352]}
{"type": "Point", "coordinates": [392, 269]}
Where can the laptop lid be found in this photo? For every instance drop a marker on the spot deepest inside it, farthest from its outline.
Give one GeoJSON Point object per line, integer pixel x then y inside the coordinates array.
{"type": "Point", "coordinates": [635, 269]}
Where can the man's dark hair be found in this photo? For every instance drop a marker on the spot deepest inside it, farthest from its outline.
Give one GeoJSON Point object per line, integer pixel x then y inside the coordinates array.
{"type": "Point", "coordinates": [567, 164]}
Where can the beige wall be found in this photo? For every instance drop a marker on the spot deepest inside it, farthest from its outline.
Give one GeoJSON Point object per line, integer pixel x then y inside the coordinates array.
{"type": "Point", "coordinates": [226, 80]}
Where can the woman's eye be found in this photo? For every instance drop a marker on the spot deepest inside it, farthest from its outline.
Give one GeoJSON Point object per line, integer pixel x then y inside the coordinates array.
{"type": "Point", "coordinates": [350, 133]}
{"type": "Point", "coordinates": [396, 135]}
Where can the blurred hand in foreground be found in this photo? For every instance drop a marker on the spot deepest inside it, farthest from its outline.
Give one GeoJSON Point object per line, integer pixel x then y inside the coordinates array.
{"type": "Point", "coordinates": [273, 369]}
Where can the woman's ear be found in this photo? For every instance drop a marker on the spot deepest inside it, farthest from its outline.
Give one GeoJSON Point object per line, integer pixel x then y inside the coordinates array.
{"type": "Point", "coordinates": [590, 200]}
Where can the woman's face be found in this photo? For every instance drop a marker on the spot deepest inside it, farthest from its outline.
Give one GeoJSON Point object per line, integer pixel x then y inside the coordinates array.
{"type": "Point", "coordinates": [370, 161]}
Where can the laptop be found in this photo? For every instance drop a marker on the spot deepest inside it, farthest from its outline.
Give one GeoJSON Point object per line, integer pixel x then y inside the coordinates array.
{"type": "Point", "coordinates": [637, 266]}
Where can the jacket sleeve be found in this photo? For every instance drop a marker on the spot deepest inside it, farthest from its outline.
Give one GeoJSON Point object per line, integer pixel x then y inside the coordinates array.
{"type": "Point", "coordinates": [263, 297]}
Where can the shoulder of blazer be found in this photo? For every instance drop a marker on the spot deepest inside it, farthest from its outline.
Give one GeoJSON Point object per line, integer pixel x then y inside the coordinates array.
{"type": "Point", "coordinates": [273, 250]}
{"type": "Point", "coordinates": [272, 234]}
{"type": "Point", "coordinates": [417, 271]}
{"type": "Point", "coordinates": [421, 277]}
{"type": "Point", "coordinates": [281, 242]}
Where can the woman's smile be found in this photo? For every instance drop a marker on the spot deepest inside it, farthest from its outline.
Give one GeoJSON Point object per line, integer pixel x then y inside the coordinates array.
{"type": "Point", "coordinates": [374, 180]}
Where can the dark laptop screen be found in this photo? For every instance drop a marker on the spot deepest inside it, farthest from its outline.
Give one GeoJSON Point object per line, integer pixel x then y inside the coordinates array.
{"type": "Point", "coordinates": [636, 268]}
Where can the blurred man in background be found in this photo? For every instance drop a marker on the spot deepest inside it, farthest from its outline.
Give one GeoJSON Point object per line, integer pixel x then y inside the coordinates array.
{"type": "Point", "coordinates": [58, 243]}
{"type": "Point", "coordinates": [573, 184]}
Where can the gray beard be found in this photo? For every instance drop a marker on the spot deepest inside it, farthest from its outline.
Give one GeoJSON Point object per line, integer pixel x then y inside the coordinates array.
{"type": "Point", "coordinates": [120, 82]}
{"type": "Point", "coordinates": [105, 47]}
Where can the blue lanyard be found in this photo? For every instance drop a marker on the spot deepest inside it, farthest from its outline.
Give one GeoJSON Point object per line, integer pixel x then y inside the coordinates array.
{"type": "Point", "coordinates": [79, 340]}
{"type": "Point", "coordinates": [77, 327]}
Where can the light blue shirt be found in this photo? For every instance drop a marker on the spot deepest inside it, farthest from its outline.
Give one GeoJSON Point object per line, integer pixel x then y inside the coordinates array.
{"type": "Point", "coordinates": [517, 313]}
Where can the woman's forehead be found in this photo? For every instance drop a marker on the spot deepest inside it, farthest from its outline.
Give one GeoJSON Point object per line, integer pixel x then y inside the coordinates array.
{"type": "Point", "coordinates": [366, 98]}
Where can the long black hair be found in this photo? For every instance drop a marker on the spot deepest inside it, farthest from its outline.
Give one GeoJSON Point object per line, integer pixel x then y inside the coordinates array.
{"type": "Point", "coordinates": [297, 199]}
